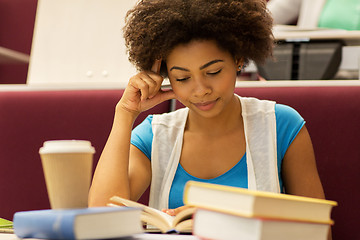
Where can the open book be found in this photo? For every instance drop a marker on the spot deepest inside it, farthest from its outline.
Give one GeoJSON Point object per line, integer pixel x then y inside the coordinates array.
{"type": "Point", "coordinates": [157, 220]}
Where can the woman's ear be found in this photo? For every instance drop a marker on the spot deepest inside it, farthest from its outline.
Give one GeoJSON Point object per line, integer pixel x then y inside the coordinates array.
{"type": "Point", "coordinates": [240, 63]}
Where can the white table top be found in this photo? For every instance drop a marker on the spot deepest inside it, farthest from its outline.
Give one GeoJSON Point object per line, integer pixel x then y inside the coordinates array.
{"type": "Point", "coordinates": [144, 236]}
{"type": "Point", "coordinates": [293, 33]}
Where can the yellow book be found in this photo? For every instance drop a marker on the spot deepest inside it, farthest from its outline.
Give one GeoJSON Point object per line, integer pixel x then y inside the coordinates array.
{"type": "Point", "coordinates": [258, 204]}
{"type": "Point", "coordinates": [156, 220]}
{"type": "Point", "coordinates": [6, 226]}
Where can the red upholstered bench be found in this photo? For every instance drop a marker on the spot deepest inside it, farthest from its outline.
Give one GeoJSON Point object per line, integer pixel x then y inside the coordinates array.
{"type": "Point", "coordinates": [28, 118]}
{"type": "Point", "coordinates": [332, 116]}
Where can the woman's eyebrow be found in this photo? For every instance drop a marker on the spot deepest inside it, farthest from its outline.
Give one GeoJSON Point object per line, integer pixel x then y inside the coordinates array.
{"type": "Point", "coordinates": [201, 68]}
{"type": "Point", "coordinates": [210, 63]}
{"type": "Point", "coordinates": [179, 68]}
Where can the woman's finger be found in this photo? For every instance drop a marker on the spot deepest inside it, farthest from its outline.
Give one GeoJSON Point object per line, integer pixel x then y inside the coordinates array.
{"type": "Point", "coordinates": [153, 80]}
{"type": "Point", "coordinates": [151, 83]}
{"type": "Point", "coordinates": [138, 83]}
{"type": "Point", "coordinates": [173, 212]}
{"type": "Point", "coordinates": [157, 81]}
{"type": "Point", "coordinates": [156, 66]}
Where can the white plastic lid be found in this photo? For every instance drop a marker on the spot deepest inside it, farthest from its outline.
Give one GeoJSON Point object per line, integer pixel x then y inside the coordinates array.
{"type": "Point", "coordinates": [67, 146]}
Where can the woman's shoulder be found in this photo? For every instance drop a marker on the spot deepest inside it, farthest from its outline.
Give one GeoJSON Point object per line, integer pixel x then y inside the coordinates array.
{"type": "Point", "coordinates": [288, 121]}
{"type": "Point", "coordinates": [286, 112]}
{"type": "Point", "coordinates": [288, 124]}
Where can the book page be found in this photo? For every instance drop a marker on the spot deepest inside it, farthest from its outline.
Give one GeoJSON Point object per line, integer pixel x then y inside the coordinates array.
{"type": "Point", "coordinates": [184, 215]}
{"type": "Point", "coordinates": [165, 218]}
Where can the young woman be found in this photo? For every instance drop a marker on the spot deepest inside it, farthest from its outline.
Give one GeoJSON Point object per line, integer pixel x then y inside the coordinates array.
{"type": "Point", "coordinates": [200, 46]}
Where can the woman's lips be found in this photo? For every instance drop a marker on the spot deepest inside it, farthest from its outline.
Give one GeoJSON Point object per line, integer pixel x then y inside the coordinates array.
{"type": "Point", "coordinates": [206, 106]}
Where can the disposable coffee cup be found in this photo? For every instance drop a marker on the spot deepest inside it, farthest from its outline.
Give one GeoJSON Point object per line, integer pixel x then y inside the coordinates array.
{"type": "Point", "coordinates": [67, 166]}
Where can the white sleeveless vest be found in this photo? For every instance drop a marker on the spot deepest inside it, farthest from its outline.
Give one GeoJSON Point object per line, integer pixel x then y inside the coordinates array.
{"type": "Point", "coordinates": [260, 136]}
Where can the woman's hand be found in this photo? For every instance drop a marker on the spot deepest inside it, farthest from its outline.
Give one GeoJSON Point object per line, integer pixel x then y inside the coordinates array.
{"type": "Point", "coordinates": [144, 91]}
{"type": "Point", "coordinates": [174, 212]}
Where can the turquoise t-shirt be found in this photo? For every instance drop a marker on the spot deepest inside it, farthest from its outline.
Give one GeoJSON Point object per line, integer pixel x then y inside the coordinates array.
{"type": "Point", "coordinates": [341, 14]}
{"type": "Point", "coordinates": [288, 124]}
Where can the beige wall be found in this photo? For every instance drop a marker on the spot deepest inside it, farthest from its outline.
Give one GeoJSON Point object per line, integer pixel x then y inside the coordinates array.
{"type": "Point", "coordinates": [79, 41]}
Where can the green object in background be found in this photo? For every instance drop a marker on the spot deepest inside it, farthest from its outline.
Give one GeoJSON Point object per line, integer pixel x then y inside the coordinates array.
{"type": "Point", "coordinates": [5, 223]}
{"type": "Point", "coordinates": [341, 14]}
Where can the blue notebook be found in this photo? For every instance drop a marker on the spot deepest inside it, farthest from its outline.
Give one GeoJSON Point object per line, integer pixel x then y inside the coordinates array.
{"type": "Point", "coordinates": [86, 223]}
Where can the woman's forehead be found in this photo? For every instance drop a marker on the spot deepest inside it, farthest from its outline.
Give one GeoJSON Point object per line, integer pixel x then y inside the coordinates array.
{"type": "Point", "coordinates": [201, 50]}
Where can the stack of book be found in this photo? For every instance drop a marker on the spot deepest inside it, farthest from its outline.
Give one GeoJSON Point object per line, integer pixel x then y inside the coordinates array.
{"type": "Point", "coordinates": [229, 212]}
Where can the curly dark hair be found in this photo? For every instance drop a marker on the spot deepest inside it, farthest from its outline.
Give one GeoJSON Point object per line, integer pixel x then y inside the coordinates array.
{"type": "Point", "coordinates": [154, 27]}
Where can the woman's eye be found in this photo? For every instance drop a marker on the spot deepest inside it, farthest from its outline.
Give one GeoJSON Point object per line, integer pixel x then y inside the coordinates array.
{"type": "Point", "coordinates": [214, 73]}
{"type": "Point", "coordinates": [182, 79]}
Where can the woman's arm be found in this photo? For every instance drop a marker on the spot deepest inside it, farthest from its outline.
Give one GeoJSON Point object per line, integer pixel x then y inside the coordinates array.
{"type": "Point", "coordinates": [112, 172]}
{"type": "Point", "coordinates": [299, 169]}
{"type": "Point", "coordinates": [123, 169]}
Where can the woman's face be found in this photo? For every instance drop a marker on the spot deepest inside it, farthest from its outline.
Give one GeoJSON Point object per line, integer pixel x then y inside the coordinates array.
{"type": "Point", "coordinates": [202, 76]}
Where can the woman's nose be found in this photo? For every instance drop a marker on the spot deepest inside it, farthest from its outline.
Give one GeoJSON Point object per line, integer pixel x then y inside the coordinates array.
{"type": "Point", "coordinates": [201, 87]}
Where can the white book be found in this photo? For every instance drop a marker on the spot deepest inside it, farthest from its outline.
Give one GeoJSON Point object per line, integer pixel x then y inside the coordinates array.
{"type": "Point", "coordinates": [209, 224]}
